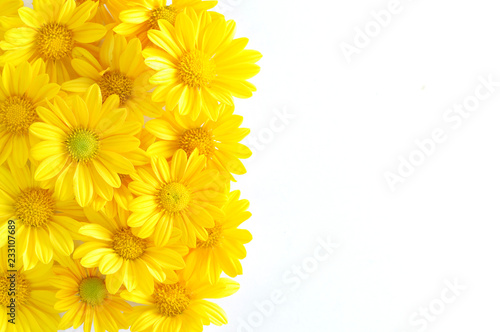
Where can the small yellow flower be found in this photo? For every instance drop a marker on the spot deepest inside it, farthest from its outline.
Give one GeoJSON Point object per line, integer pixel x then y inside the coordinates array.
{"type": "Point", "coordinates": [180, 306]}
{"type": "Point", "coordinates": [126, 258]}
{"type": "Point", "coordinates": [83, 141]}
{"type": "Point", "coordinates": [82, 295]}
{"type": "Point", "coordinates": [50, 32]}
{"type": "Point", "coordinates": [119, 70]}
{"type": "Point", "coordinates": [199, 64]}
{"type": "Point", "coordinates": [217, 140]}
{"type": "Point", "coordinates": [144, 15]}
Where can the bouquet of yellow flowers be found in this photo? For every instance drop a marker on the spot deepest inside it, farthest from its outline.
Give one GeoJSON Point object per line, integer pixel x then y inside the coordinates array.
{"type": "Point", "coordinates": [99, 207]}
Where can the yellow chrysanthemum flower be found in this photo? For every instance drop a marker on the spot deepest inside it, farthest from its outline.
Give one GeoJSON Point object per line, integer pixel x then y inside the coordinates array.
{"type": "Point", "coordinates": [34, 297]}
{"type": "Point", "coordinates": [223, 249]}
{"type": "Point", "coordinates": [22, 89]}
{"type": "Point", "coordinates": [144, 15]}
{"type": "Point", "coordinates": [45, 224]}
{"type": "Point", "coordinates": [119, 70]}
{"type": "Point", "coordinates": [82, 295]}
{"type": "Point", "coordinates": [182, 194]}
{"type": "Point", "coordinates": [180, 306]}
{"type": "Point", "coordinates": [82, 145]}
{"type": "Point", "coordinates": [199, 64]}
{"type": "Point", "coordinates": [217, 140]}
{"type": "Point", "coordinates": [9, 17]}
{"type": "Point", "coordinates": [125, 258]}
{"type": "Point", "coordinates": [51, 31]}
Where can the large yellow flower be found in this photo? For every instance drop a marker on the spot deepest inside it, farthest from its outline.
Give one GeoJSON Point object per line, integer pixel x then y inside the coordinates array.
{"type": "Point", "coordinates": [45, 224]}
{"type": "Point", "coordinates": [22, 89]}
{"type": "Point", "coordinates": [223, 249]}
{"type": "Point", "coordinates": [199, 64]}
{"type": "Point", "coordinates": [51, 31]}
{"type": "Point", "coordinates": [144, 15]}
{"type": "Point", "coordinates": [82, 295]}
{"type": "Point", "coordinates": [82, 145]}
{"type": "Point", "coordinates": [180, 306]}
{"type": "Point", "coordinates": [181, 194]}
{"type": "Point", "coordinates": [217, 140]}
{"type": "Point", "coordinates": [119, 70]}
{"type": "Point", "coordinates": [34, 297]}
{"type": "Point", "coordinates": [125, 258]}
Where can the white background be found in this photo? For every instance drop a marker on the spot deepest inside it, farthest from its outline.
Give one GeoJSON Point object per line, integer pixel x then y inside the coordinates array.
{"type": "Point", "coordinates": [322, 174]}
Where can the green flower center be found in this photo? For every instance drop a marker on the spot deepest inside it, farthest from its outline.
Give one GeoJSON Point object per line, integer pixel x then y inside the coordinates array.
{"type": "Point", "coordinates": [174, 197]}
{"type": "Point", "coordinates": [196, 69]}
{"type": "Point", "coordinates": [93, 291]}
{"type": "Point", "coordinates": [83, 145]}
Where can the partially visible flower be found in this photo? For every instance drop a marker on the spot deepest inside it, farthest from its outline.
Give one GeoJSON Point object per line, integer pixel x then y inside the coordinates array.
{"type": "Point", "coordinates": [217, 140]}
{"type": "Point", "coordinates": [223, 249]}
{"type": "Point", "coordinates": [46, 225]}
{"type": "Point", "coordinates": [119, 70]}
{"type": "Point", "coordinates": [180, 306]}
{"type": "Point", "coordinates": [50, 32]}
{"type": "Point", "coordinates": [83, 145]}
{"type": "Point", "coordinates": [22, 90]}
{"type": "Point", "coordinates": [199, 64]}
{"type": "Point", "coordinates": [144, 15]}
{"type": "Point", "coordinates": [82, 296]}
{"type": "Point", "coordinates": [9, 17]}
{"type": "Point", "coordinates": [181, 194]}
{"type": "Point", "coordinates": [125, 258]}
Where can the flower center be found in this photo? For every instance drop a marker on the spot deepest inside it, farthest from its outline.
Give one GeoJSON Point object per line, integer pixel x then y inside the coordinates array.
{"type": "Point", "coordinates": [8, 283]}
{"type": "Point", "coordinates": [127, 245]}
{"type": "Point", "coordinates": [17, 114]}
{"type": "Point", "coordinates": [93, 290]}
{"type": "Point", "coordinates": [35, 207]}
{"type": "Point", "coordinates": [116, 83]}
{"type": "Point", "coordinates": [82, 145]}
{"type": "Point", "coordinates": [54, 41]}
{"type": "Point", "coordinates": [198, 138]}
{"type": "Point", "coordinates": [168, 13]}
{"type": "Point", "coordinates": [214, 238]}
{"type": "Point", "coordinates": [174, 197]}
{"type": "Point", "coordinates": [171, 300]}
{"type": "Point", "coordinates": [196, 69]}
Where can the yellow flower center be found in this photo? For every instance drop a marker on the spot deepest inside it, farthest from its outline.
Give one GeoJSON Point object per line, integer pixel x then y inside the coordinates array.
{"type": "Point", "coordinates": [116, 83]}
{"type": "Point", "coordinates": [8, 283]}
{"type": "Point", "coordinates": [35, 207]}
{"type": "Point", "coordinates": [171, 300]}
{"type": "Point", "coordinates": [168, 13]}
{"type": "Point", "coordinates": [196, 69]}
{"type": "Point", "coordinates": [198, 138]}
{"type": "Point", "coordinates": [17, 114]}
{"type": "Point", "coordinates": [93, 291]}
{"type": "Point", "coordinates": [214, 238]}
{"type": "Point", "coordinates": [54, 41]}
{"type": "Point", "coordinates": [82, 144]}
{"type": "Point", "coordinates": [174, 197]}
{"type": "Point", "coordinates": [127, 245]}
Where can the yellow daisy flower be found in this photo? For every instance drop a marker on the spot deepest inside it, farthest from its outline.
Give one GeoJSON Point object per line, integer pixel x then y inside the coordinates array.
{"type": "Point", "coordinates": [82, 295]}
{"type": "Point", "coordinates": [223, 249]}
{"type": "Point", "coordinates": [82, 145]}
{"type": "Point", "coordinates": [180, 306]}
{"type": "Point", "coordinates": [217, 140]}
{"type": "Point", "coordinates": [51, 31]}
{"type": "Point", "coordinates": [45, 224]}
{"type": "Point", "coordinates": [22, 89]}
{"type": "Point", "coordinates": [199, 64]}
{"type": "Point", "coordinates": [34, 297]}
{"type": "Point", "coordinates": [144, 15]}
{"type": "Point", "coordinates": [119, 70]}
{"type": "Point", "coordinates": [182, 194]}
{"type": "Point", "coordinates": [126, 258]}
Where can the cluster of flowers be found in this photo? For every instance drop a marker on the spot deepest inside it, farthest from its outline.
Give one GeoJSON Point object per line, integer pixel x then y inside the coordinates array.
{"type": "Point", "coordinates": [99, 207]}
